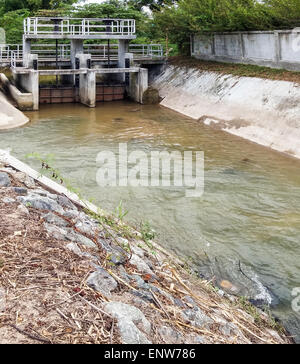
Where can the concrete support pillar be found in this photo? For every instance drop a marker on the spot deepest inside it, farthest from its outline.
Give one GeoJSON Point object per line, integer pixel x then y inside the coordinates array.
{"type": "Point", "coordinates": [277, 55]}
{"type": "Point", "coordinates": [29, 59]}
{"type": "Point", "coordinates": [26, 49]}
{"type": "Point", "coordinates": [87, 88]}
{"type": "Point", "coordinates": [143, 83]}
{"type": "Point", "coordinates": [128, 63]}
{"type": "Point", "coordinates": [83, 59]}
{"type": "Point", "coordinates": [138, 85]}
{"type": "Point", "coordinates": [123, 49]}
{"type": "Point", "coordinates": [87, 82]}
{"type": "Point", "coordinates": [76, 48]}
{"type": "Point", "coordinates": [30, 83]}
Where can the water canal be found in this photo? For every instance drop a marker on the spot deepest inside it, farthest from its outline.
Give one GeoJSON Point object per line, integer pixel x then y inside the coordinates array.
{"type": "Point", "coordinates": [247, 218]}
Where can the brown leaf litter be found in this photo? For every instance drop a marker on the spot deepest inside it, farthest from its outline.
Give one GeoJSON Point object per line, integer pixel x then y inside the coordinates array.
{"type": "Point", "coordinates": [47, 299]}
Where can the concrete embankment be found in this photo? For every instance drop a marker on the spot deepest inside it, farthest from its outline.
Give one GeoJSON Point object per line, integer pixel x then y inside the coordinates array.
{"type": "Point", "coordinates": [82, 276]}
{"type": "Point", "coordinates": [263, 111]}
{"type": "Point", "coordinates": [10, 116]}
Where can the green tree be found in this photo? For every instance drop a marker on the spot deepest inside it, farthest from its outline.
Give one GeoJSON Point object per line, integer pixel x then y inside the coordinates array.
{"type": "Point", "coordinates": [33, 5]}
{"type": "Point", "coordinates": [152, 4]}
{"type": "Point", "coordinates": [115, 9]}
{"type": "Point", "coordinates": [12, 22]}
{"type": "Point", "coordinates": [284, 13]}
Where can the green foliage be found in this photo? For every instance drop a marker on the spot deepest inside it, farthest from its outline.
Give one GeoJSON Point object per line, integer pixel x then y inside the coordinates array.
{"type": "Point", "coordinates": [171, 22]}
{"type": "Point", "coordinates": [33, 5]}
{"type": "Point", "coordinates": [12, 22]}
{"type": "Point", "coordinates": [151, 4]}
{"type": "Point", "coordinates": [284, 13]}
{"type": "Point", "coordinates": [202, 16]}
{"type": "Point", "coordinates": [114, 9]}
{"type": "Point", "coordinates": [120, 212]}
{"type": "Point", "coordinates": [148, 234]}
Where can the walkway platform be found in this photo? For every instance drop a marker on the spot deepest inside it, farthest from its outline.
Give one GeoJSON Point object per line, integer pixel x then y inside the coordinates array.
{"type": "Point", "coordinates": [79, 28]}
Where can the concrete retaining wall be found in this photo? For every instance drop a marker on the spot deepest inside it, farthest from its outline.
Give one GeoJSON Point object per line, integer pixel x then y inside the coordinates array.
{"type": "Point", "coordinates": [23, 100]}
{"type": "Point", "coordinates": [263, 111]}
{"type": "Point", "coordinates": [277, 49]}
{"type": "Point", "coordinates": [10, 117]}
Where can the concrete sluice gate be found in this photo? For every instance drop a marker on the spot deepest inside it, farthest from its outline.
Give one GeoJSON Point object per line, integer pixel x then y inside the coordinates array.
{"type": "Point", "coordinates": [60, 95]}
{"type": "Point", "coordinates": [121, 72]}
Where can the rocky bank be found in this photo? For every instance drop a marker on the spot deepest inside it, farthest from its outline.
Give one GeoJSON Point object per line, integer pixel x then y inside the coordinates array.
{"type": "Point", "coordinates": [70, 275]}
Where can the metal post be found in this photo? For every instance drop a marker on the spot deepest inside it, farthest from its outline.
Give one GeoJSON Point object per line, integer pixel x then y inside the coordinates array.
{"type": "Point", "coordinates": [108, 52]}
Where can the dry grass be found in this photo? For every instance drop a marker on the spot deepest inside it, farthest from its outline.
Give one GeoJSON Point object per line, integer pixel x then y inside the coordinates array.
{"type": "Point", "coordinates": [48, 301]}
{"type": "Point", "coordinates": [242, 70]}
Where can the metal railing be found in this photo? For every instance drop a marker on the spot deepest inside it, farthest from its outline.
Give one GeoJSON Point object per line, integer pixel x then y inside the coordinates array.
{"type": "Point", "coordinates": [79, 26]}
{"type": "Point", "coordinates": [98, 51]}
{"type": "Point", "coordinates": [13, 53]}
{"type": "Point", "coordinates": [147, 50]}
{"type": "Point", "coordinates": [5, 52]}
{"type": "Point", "coordinates": [48, 51]}
{"type": "Point", "coordinates": [13, 59]}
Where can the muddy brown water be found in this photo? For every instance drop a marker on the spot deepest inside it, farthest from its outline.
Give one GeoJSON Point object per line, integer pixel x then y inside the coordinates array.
{"type": "Point", "coordinates": [247, 220]}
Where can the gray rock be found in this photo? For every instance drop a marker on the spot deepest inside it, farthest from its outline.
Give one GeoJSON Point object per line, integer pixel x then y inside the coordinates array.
{"type": "Point", "coordinates": [21, 209]}
{"type": "Point", "coordinates": [190, 300]}
{"type": "Point", "coordinates": [65, 202]}
{"type": "Point", "coordinates": [170, 336]}
{"type": "Point", "coordinates": [76, 250]}
{"type": "Point", "coordinates": [221, 293]}
{"type": "Point", "coordinates": [44, 193]}
{"type": "Point", "coordinates": [4, 180]}
{"type": "Point", "coordinates": [198, 340]}
{"type": "Point", "coordinates": [20, 191]}
{"type": "Point", "coordinates": [128, 317]}
{"type": "Point", "coordinates": [144, 295]}
{"type": "Point", "coordinates": [102, 282]}
{"type": "Point", "coordinates": [56, 232]}
{"type": "Point", "coordinates": [8, 200]}
{"type": "Point", "coordinates": [39, 192]}
{"type": "Point", "coordinates": [40, 203]}
{"type": "Point", "coordinates": [138, 251]}
{"type": "Point", "coordinates": [81, 239]}
{"type": "Point", "coordinates": [196, 317]}
{"type": "Point", "coordinates": [69, 235]}
{"type": "Point", "coordinates": [140, 264]}
{"type": "Point", "coordinates": [179, 303]}
{"type": "Point", "coordinates": [229, 330]}
{"type": "Point", "coordinates": [105, 245]}
{"type": "Point", "coordinates": [117, 258]}
{"type": "Point", "coordinates": [140, 282]}
{"type": "Point", "coordinates": [25, 179]}
{"type": "Point", "coordinates": [86, 227]}
{"type": "Point", "coordinates": [55, 220]}
{"type": "Point", "coordinates": [71, 214]}
{"type": "Point", "coordinates": [125, 276]}
{"type": "Point", "coordinates": [2, 300]}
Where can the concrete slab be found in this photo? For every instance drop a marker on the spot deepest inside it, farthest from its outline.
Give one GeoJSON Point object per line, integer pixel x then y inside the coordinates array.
{"type": "Point", "coordinates": [10, 117]}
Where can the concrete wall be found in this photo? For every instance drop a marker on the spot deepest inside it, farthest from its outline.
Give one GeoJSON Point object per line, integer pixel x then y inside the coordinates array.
{"type": "Point", "coordinates": [277, 49]}
{"type": "Point", "coordinates": [263, 111]}
{"type": "Point", "coordinates": [30, 83]}
{"type": "Point", "coordinates": [10, 117]}
{"type": "Point", "coordinates": [23, 100]}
